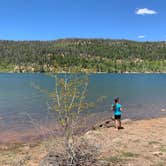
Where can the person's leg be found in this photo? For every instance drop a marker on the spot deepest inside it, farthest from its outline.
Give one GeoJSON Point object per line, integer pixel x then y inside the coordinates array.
{"type": "Point", "coordinates": [116, 123]}
{"type": "Point", "coordinates": [120, 123]}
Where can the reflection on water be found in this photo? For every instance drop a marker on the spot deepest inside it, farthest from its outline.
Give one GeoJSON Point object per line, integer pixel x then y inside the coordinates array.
{"type": "Point", "coordinates": [142, 96]}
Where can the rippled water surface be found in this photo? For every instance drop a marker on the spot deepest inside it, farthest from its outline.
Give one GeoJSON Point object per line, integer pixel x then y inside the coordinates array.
{"type": "Point", "coordinates": [142, 96]}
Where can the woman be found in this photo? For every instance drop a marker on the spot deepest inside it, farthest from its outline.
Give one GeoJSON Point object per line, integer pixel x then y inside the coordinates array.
{"type": "Point", "coordinates": [117, 108]}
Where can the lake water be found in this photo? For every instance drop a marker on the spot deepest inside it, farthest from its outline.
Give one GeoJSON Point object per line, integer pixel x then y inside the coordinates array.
{"type": "Point", "coordinates": [142, 96]}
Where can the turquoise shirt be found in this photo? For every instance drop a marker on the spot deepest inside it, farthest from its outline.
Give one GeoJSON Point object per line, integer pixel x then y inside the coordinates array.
{"type": "Point", "coordinates": [117, 111]}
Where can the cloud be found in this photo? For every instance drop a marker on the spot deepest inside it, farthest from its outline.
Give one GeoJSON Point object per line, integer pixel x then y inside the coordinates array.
{"type": "Point", "coordinates": [141, 36]}
{"type": "Point", "coordinates": [145, 11]}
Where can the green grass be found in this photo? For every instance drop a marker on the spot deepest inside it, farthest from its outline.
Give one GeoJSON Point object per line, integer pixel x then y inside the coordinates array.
{"type": "Point", "coordinates": [163, 149]}
{"type": "Point", "coordinates": [113, 159]}
{"type": "Point", "coordinates": [153, 142]}
{"type": "Point", "coordinates": [129, 154]}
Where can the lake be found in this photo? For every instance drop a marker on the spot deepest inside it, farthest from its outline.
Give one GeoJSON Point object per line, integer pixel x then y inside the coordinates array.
{"type": "Point", "coordinates": [142, 96]}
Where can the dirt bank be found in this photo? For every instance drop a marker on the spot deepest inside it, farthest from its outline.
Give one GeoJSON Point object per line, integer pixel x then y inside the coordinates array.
{"type": "Point", "coordinates": [141, 142]}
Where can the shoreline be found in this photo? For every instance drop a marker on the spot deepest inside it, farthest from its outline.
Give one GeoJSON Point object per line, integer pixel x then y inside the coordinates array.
{"type": "Point", "coordinates": [85, 123]}
{"type": "Point", "coordinates": [140, 142]}
{"type": "Point", "coordinates": [82, 72]}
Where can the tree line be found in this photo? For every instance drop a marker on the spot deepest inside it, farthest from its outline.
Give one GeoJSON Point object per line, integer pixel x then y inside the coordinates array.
{"type": "Point", "coordinates": [91, 55]}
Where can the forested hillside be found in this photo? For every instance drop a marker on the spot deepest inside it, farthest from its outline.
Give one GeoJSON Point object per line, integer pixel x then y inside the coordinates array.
{"type": "Point", "coordinates": [89, 55]}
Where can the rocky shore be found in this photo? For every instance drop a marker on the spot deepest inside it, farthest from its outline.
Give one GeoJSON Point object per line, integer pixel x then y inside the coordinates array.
{"type": "Point", "coordinates": [141, 142]}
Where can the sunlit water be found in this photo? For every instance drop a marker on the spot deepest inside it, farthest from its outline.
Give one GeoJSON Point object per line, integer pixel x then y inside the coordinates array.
{"type": "Point", "coordinates": [142, 96]}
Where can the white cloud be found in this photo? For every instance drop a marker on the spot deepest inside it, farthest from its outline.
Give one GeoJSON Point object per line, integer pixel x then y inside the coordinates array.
{"type": "Point", "coordinates": [145, 11]}
{"type": "Point", "coordinates": [141, 36]}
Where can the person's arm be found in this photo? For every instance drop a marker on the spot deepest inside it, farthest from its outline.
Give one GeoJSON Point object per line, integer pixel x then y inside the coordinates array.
{"type": "Point", "coordinates": [121, 109]}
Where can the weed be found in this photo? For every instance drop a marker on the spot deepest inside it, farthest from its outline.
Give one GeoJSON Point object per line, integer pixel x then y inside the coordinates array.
{"type": "Point", "coordinates": [113, 159]}
{"type": "Point", "coordinates": [129, 154]}
{"type": "Point", "coordinates": [153, 142]}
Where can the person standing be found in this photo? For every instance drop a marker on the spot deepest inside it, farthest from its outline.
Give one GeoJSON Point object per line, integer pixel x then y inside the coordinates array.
{"type": "Point", "coordinates": [117, 108]}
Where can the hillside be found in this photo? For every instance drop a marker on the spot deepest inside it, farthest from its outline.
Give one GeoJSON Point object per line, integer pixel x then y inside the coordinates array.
{"type": "Point", "coordinates": [90, 55]}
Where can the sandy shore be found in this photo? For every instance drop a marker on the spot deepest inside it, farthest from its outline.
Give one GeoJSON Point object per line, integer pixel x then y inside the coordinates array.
{"type": "Point", "coordinates": [140, 143]}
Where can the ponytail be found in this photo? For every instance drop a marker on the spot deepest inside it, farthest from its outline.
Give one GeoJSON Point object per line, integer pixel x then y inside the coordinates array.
{"type": "Point", "coordinates": [115, 102]}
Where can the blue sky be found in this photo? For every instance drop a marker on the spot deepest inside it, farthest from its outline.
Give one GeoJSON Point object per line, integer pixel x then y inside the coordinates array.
{"type": "Point", "coordinates": [140, 20]}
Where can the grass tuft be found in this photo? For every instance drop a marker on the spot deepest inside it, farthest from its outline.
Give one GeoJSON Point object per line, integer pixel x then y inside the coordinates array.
{"type": "Point", "coordinates": [163, 149]}
{"type": "Point", "coordinates": [113, 159]}
{"type": "Point", "coordinates": [153, 142]}
{"type": "Point", "coordinates": [130, 154]}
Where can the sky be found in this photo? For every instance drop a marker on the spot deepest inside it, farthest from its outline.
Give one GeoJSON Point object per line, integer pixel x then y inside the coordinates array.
{"type": "Point", "coordinates": [141, 20]}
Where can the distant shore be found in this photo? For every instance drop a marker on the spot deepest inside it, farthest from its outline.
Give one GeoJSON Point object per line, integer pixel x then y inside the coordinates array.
{"type": "Point", "coordinates": [63, 72]}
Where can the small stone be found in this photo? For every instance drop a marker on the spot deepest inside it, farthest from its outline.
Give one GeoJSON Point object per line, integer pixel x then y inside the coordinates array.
{"type": "Point", "coordinates": [157, 153]}
{"type": "Point", "coordinates": [108, 121]}
{"type": "Point", "coordinates": [126, 120]}
{"type": "Point", "coordinates": [26, 148]}
{"type": "Point", "coordinates": [101, 125]}
{"type": "Point", "coordinates": [4, 147]}
{"type": "Point", "coordinates": [32, 145]}
{"type": "Point", "coordinates": [155, 146]}
{"type": "Point", "coordinates": [163, 110]}
{"type": "Point", "coordinates": [116, 140]}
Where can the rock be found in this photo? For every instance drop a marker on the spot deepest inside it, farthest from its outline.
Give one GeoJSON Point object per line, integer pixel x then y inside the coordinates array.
{"type": "Point", "coordinates": [116, 140]}
{"type": "Point", "coordinates": [163, 110]}
{"type": "Point", "coordinates": [4, 147]}
{"type": "Point", "coordinates": [26, 148]}
{"type": "Point", "coordinates": [158, 153]}
{"type": "Point", "coordinates": [102, 163]}
{"type": "Point", "coordinates": [126, 120]}
{"type": "Point", "coordinates": [155, 146]}
{"type": "Point", "coordinates": [32, 145]}
{"type": "Point", "coordinates": [106, 123]}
